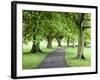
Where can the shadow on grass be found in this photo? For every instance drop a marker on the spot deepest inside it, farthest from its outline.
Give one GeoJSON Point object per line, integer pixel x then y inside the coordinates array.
{"type": "Point", "coordinates": [25, 53]}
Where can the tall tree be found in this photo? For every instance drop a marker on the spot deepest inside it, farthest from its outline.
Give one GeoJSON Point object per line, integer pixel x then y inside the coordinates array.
{"type": "Point", "coordinates": [49, 28]}
{"type": "Point", "coordinates": [80, 19]}
{"type": "Point", "coordinates": [32, 29]}
{"type": "Point", "coordinates": [81, 38]}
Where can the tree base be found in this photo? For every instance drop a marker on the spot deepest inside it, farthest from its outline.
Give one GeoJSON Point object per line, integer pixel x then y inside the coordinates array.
{"type": "Point", "coordinates": [80, 57]}
{"type": "Point", "coordinates": [59, 45]}
{"type": "Point", "coordinates": [35, 49]}
{"type": "Point", "coordinates": [49, 47]}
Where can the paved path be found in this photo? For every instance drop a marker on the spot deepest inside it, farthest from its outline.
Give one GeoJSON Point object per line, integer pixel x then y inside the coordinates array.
{"type": "Point", "coordinates": [54, 59]}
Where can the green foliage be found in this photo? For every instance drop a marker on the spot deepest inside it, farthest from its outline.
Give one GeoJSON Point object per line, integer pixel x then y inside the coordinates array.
{"type": "Point", "coordinates": [32, 21]}
{"type": "Point", "coordinates": [87, 36]}
{"type": "Point", "coordinates": [41, 24]}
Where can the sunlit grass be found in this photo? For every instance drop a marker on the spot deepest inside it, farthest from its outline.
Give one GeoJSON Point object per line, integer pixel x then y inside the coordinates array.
{"type": "Point", "coordinates": [32, 60]}
{"type": "Point", "coordinates": [70, 57]}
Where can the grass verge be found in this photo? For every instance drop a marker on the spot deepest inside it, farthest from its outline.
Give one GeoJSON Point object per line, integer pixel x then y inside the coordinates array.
{"type": "Point", "coordinates": [74, 62]}
{"type": "Point", "coordinates": [32, 60]}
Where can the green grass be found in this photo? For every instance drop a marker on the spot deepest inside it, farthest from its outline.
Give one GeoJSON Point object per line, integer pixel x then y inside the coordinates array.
{"type": "Point", "coordinates": [74, 62]}
{"type": "Point", "coordinates": [32, 60]}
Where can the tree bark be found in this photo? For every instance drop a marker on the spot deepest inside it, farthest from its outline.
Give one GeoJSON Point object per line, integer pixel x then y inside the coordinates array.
{"type": "Point", "coordinates": [68, 41]}
{"type": "Point", "coordinates": [85, 43]}
{"type": "Point", "coordinates": [49, 39]}
{"type": "Point", "coordinates": [80, 50]}
{"type": "Point", "coordinates": [59, 41]}
{"type": "Point", "coordinates": [36, 48]}
{"type": "Point", "coordinates": [73, 43]}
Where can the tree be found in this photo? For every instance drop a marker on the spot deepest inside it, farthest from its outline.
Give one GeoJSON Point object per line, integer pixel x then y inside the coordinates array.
{"type": "Point", "coordinates": [54, 22]}
{"type": "Point", "coordinates": [49, 28]}
{"type": "Point", "coordinates": [40, 25]}
{"type": "Point", "coordinates": [60, 22]}
{"type": "Point", "coordinates": [59, 38]}
{"type": "Point", "coordinates": [71, 29]}
{"type": "Point", "coordinates": [32, 21]}
{"type": "Point", "coordinates": [80, 20]}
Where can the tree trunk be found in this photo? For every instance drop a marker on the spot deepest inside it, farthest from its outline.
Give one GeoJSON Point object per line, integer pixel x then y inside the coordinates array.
{"type": "Point", "coordinates": [68, 41]}
{"type": "Point", "coordinates": [73, 43]}
{"type": "Point", "coordinates": [59, 41]}
{"type": "Point", "coordinates": [36, 48]}
{"type": "Point", "coordinates": [49, 44]}
{"type": "Point", "coordinates": [85, 43]}
{"type": "Point", "coordinates": [80, 50]}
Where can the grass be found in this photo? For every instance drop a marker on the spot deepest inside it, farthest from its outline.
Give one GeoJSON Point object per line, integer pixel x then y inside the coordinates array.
{"type": "Point", "coordinates": [74, 62]}
{"type": "Point", "coordinates": [32, 60]}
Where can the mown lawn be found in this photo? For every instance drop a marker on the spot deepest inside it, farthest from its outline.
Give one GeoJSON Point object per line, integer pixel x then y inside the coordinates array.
{"type": "Point", "coordinates": [72, 61]}
{"type": "Point", "coordinates": [32, 60]}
